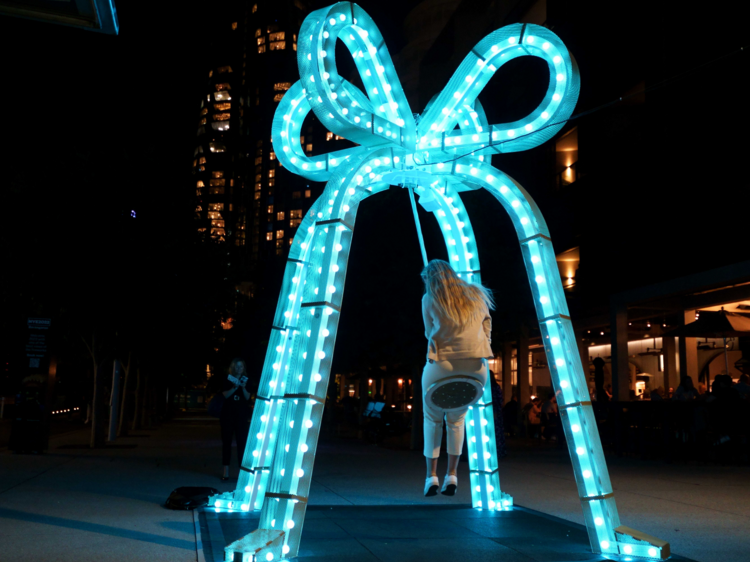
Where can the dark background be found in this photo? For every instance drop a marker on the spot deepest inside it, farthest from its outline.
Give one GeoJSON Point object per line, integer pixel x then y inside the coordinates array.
{"type": "Point", "coordinates": [96, 127]}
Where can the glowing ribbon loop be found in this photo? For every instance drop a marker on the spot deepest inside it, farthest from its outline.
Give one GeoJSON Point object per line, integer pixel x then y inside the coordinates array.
{"type": "Point", "coordinates": [453, 105]}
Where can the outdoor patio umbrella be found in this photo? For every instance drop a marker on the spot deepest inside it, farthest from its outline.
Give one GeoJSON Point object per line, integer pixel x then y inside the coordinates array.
{"type": "Point", "coordinates": [718, 324]}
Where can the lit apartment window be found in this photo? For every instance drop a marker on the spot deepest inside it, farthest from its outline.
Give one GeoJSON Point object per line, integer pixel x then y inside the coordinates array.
{"type": "Point", "coordinates": [308, 148]}
{"type": "Point", "coordinates": [271, 173]}
{"type": "Point", "coordinates": [280, 216]}
{"type": "Point", "coordinates": [278, 36]}
{"type": "Point", "coordinates": [222, 96]}
{"type": "Point", "coordinates": [258, 177]}
{"type": "Point", "coordinates": [200, 184]}
{"type": "Point", "coordinates": [202, 121]}
{"type": "Point", "coordinates": [204, 111]}
{"type": "Point", "coordinates": [258, 32]}
{"type": "Point", "coordinates": [202, 160]}
{"type": "Point", "coordinates": [221, 116]}
{"type": "Point", "coordinates": [222, 106]}
{"type": "Point", "coordinates": [198, 192]}
{"type": "Point", "coordinates": [217, 232]}
{"type": "Point", "coordinates": [307, 193]}
{"type": "Point", "coordinates": [216, 206]}
{"type": "Point", "coordinates": [216, 216]}
{"type": "Point", "coordinates": [234, 26]}
{"type": "Point", "coordinates": [290, 240]}
{"type": "Point", "coordinates": [338, 137]}
{"type": "Point", "coordinates": [271, 183]}
{"type": "Point", "coordinates": [215, 183]}
{"type": "Point", "coordinates": [255, 8]}
{"type": "Point", "coordinates": [217, 147]}
{"type": "Point", "coordinates": [217, 175]}
{"type": "Point", "coordinates": [223, 87]}
{"type": "Point", "coordinates": [277, 97]}
{"type": "Point", "coordinates": [295, 214]}
{"type": "Point", "coordinates": [272, 156]}
{"type": "Point", "coordinates": [195, 163]}
{"type": "Point", "coordinates": [270, 209]}
{"type": "Point", "coordinates": [216, 191]}
{"type": "Point", "coordinates": [282, 86]}
{"type": "Point", "coordinates": [294, 223]}
{"type": "Point", "coordinates": [269, 235]}
{"type": "Point", "coordinates": [329, 136]}
{"type": "Point", "coordinates": [220, 126]}
{"type": "Point", "coordinates": [302, 139]}
{"type": "Point", "coordinates": [278, 45]}
{"type": "Point", "coordinates": [198, 209]}
{"type": "Point", "coordinates": [261, 40]}
{"type": "Point", "coordinates": [257, 195]}
{"type": "Point", "coordinates": [279, 234]}
{"type": "Point", "coordinates": [261, 49]}
{"type": "Point", "coordinates": [259, 160]}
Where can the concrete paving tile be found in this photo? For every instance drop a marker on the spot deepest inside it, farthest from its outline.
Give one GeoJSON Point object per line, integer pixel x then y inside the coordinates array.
{"type": "Point", "coordinates": [550, 549]}
{"type": "Point", "coordinates": [335, 550]}
{"type": "Point", "coordinates": [537, 527]}
{"type": "Point", "coordinates": [428, 528]}
{"type": "Point", "coordinates": [406, 550]}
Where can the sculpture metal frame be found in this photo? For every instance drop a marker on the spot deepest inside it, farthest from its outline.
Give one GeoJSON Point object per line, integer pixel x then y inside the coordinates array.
{"type": "Point", "coordinates": [447, 152]}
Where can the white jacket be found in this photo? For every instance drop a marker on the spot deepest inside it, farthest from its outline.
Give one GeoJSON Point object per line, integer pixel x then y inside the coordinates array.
{"type": "Point", "coordinates": [447, 340]}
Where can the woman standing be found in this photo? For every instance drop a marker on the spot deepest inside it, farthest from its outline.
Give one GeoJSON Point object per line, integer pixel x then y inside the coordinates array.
{"type": "Point", "coordinates": [457, 326]}
{"type": "Point", "coordinates": [234, 414]}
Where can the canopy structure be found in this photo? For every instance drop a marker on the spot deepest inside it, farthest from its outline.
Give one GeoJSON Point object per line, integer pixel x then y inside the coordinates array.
{"type": "Point", "coordinates": [447, 152]}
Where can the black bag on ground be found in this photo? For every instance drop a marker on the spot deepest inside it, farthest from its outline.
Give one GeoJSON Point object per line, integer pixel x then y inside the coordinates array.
{"type": "Point", "coordinates": [190, 497]}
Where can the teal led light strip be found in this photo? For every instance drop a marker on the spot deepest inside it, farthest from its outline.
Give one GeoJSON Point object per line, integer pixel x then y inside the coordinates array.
{"type": "Point", "coordinates": [449, 152]}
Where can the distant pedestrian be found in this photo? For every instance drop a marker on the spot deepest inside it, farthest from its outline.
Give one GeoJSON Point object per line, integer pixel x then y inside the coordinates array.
{"type": "Point", "coordinates": [234, 414]}
{"type": "Point", "coordinates": [743, 386]}
{"type": "Point", "coordinates": [549, 417]}
{"type": "Point", "coordinates": [686, 391]}
{"type": "Point", "coordinates": [497, 411]}
{"type": "Point", "coordinates": [535, 418]}
{"type": "Point", "coordinates": [510, 416]}
{"type": "Point", "coordinates": [457, 325]}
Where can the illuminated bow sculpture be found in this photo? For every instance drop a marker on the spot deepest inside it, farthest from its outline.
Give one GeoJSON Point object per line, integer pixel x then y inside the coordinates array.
{"type": "Point", "coordinates": [447, 152]}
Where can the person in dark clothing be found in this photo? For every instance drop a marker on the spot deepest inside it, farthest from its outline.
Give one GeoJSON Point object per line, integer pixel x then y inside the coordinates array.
{"type": "Point", "coordinates": [601, 393]}
{"type": "Point", "coordinates": [510, 416]}
{"type": "Point", "coordinates": [234, 414]}
{"type": "Point", "coordinates": [497, 411]}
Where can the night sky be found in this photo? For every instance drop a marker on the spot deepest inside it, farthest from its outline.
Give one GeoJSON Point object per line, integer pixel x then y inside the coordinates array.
{"type": "Point", "coordinates": [97, 126]}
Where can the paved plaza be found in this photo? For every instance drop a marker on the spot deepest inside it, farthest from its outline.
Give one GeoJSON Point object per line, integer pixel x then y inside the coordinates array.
{"type": "Point", "coordinates": [366, 503]}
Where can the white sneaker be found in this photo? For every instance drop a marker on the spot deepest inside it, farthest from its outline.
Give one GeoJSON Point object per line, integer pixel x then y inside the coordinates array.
{"type": "Point", "coordinates": [449, 485]}
{"type": "Point", "coordinates": [431, 485]}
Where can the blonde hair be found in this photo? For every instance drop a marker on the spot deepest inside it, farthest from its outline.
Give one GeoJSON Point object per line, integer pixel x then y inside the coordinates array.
{"type": "Point", "coordinates": [458, 300]}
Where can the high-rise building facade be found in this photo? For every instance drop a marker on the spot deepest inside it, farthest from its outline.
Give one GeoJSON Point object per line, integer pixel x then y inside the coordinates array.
{"type": "Point", "coordinates": [244, 198]}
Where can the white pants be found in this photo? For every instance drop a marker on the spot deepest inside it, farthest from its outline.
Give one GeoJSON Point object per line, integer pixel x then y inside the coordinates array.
{"type": "Point", "coordinates": [454, 421]}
